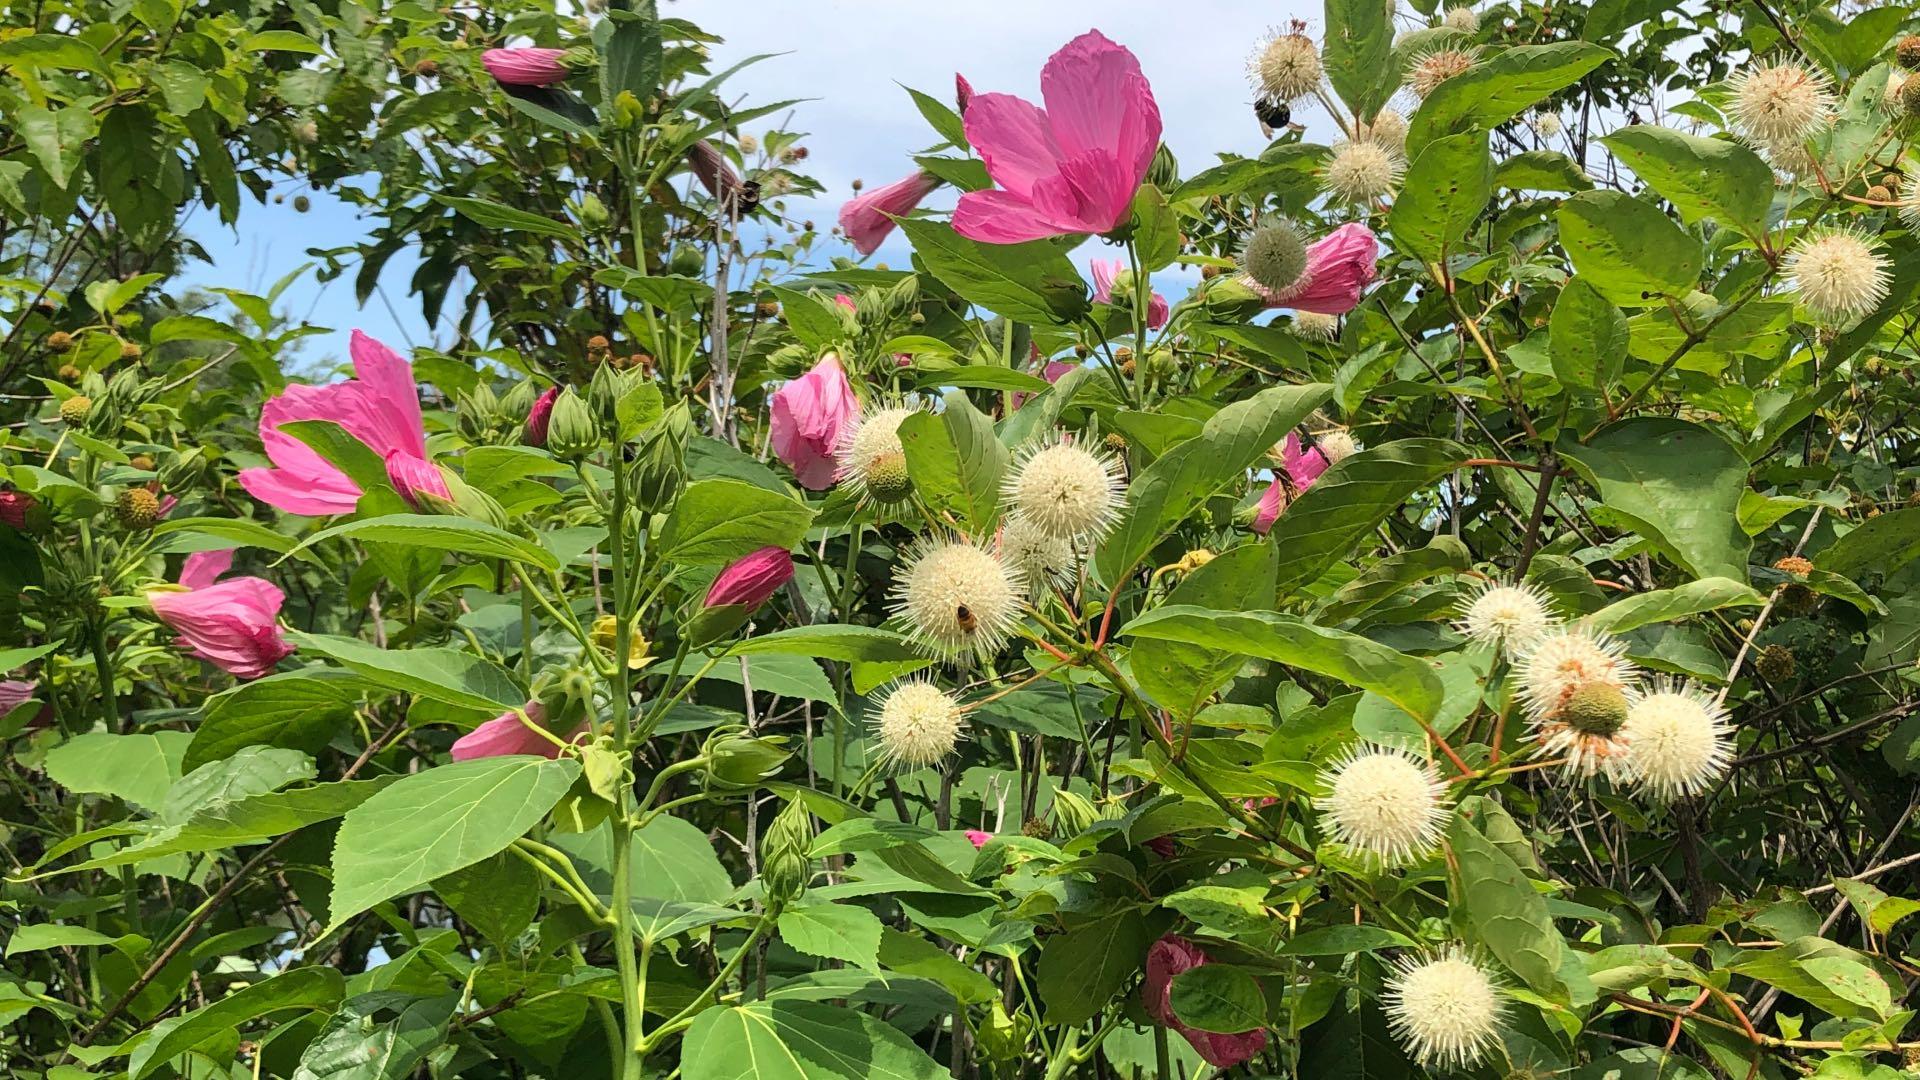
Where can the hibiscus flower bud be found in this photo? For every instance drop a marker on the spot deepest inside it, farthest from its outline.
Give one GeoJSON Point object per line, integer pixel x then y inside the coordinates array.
{"type": "Point", "coordinates": [572, 433]}
{"type": "Point", "coordinates": [786, 863]}
{"type": "Point", "coordinates": [736, 759]}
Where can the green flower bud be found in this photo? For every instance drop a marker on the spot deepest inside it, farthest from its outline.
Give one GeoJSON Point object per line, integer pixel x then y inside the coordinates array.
{"type": "Point", "coordinates": [1002, 1036]}
{"type": "Point", "coordinates": [593, 212]}
{"type": "Point", "coordinates": [736, 759]}
{"type": "Point", "coordinates": [477, 412]}
{"type": "Point", "coordinates": [1072, 813]}
{"type": "Point", "coordinates": [572, 433]}
{"type": "Point", "coordinates": [686, 261]}
{"type": "Point", "coordinates": [657, 471]}
{"type": "Point", "coordinates": [786, 863]}
{"type": "Point", "coordinates": [1228, 299]}
{"type": "Point", "coordinates": [609, 385]}
{"type": "Point", "coordinates": [1164, 173]}
{"type": "Point", "coordinates": [517, 402]}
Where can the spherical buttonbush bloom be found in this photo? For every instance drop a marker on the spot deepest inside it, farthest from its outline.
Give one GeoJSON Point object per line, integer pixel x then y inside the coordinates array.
{"type": "Point", "coordinates": [233, 625]}
{"type": "Point", "coordinates": [1038, 555]}
{"type": "Point", "coordinates": [1167, 958]}
{"type": "Point", "coordinates": [525, 66]}
{"type": "Point", "coordinates": [1275, 256]}
{"type": "Point", "coordinates": [538, 418]}
{"type": "Point", "coordinates": [1313, 326]}
{"type": "Point", "coordinates": [1678, 740]}
{"type": "Point", "coordinates": [1337, 445]}
{"type": "Point", "coordinates": [1285, 67]}
{"type": "Point", "coordinates": [1388, 128]}
{"type": "Point", "coordinates": [1340, 266]}
{"type": "Point", "coordinates": [1360, 172]}
{"type": "Point", "coordinates": [918, 724]}
{"type": "Point", "coordinates": [1573, 682]}
{"type": "Point", "coordinates": [955, 597]}
{"type": "Point", "coordinates": [1445, 1009]}
{"type": "Point", "coordinates": [1430, 69]}
{"type": "Point", "coordinates": [1065, 490]}
{"type": "Point", "coordinates": [379, 406]}
{"type": "Point", "coordinates": [1072, 167]}
{"type": "Point", "coordinates": [868, 217]}
{"type": "Point", "coordinates": [1510, 617]}
{"type": "Point", "coordinates": [870, 459]}
{"type": "Point", "coordinates": [1774, 102]}
{"type": "Point", "coordinates": [809, 417]}
{"type": "Point", "coordinates": [752, 579]}
{"type": "Point", "coordinates": [1838, 273]}
{"type": "Point", "coordinates": [1384, 802]}
{"type": "Point", "coordinates": [1461, 18]}
{"type": "Point", "coordinates": [1108, 273]}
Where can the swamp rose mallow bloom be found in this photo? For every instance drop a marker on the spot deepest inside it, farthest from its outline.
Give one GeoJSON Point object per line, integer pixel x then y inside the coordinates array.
{"type": "Point", "coordinates": [1105, 273]}
{"type": "Point", "coordinates": [1303, 465]}
{"type": "Point", "coordinates": [1168, 957]}
{"type": "Point", "coordinates": [379, 406]}
{"type": "Point", "coordinates": [810, 414]}
{"type": "Point", "coordinates": [1340, 266]}
{"type": "Point", "coordinates": [978, 838]}
{"type": "Point", "coordinates": [868, 218]}
{"type": "Point", "coordinates": [752, 579]}
{"type": "Point", "coordinates": [233, 625]}
{"type": "Point", "coordinates": [14, 507]}
{"type": "Point", "coordinates": [1072, 167]}
{"type": "Point", "coordinates": [506, 734]}
{"type": "Point", "coordinates": [539, 417]}
{"type": "Point", "coordinates": [525, 66]}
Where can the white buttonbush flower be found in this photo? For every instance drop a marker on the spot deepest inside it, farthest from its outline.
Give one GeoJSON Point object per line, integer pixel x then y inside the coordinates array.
{"type": "Point", "coordinates": [1285, 68]}
{"type": "Point", "coordinates": [1839, 275]}
{"type": "Point", "coordinates": [1910, 200]}
{"type": "Point", "coordinates": [1510, 617]}
{"type": "Point", "coordinates": [1337, 445]}
{"type": "Point", "coordinates": [1574, 684]}
{"type": "Point", "coordinates": [918, 724]}
{"type": "Point", "coordinates": [1430, 69]}
{"type": "Point", "coordinates": [1038, 555]}
{"type": "Point", "coordinates": [1780, 102]}
{"type": "Point", "coordinates": [1445, 1009]}
{"type": "Point", "coordinates": [871, 461]}
{"type": "Point", "coordinates": [1678, 740]}
{"type": "Point", "coordinates": [1360, 172]}
{"type": "Point", "coordinates": [1461, 18]}
{"type": "Point", "coordinates": [1388, 128]}
{"type": "Point", "coordinates": [1384, 802]}
{"type": "Point", "coordinates": [1547, 124]}
{"type": "Point", "coordinates": [955, 597]}
{"type": "Point", "coordinates": [1314, 326]}
{"type": "Point", "coordinates": [1065, 490]}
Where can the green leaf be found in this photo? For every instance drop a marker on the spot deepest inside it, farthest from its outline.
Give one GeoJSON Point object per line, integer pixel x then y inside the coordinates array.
{"type": "Point", "coordinates": [56, 51]}
{"type": "Point", "coordinates": [343, 451]}
{"type": "Point", "coordinates": [225, 824]}
{"type": "Point", "coordinates": [1219, 998]}
{"type": "Point", "coordinates": [1881, 544]}
{"type": "Point", "coordinates": [980, 377]}
{"type": "Point", "coordinates": [1081, 970]}
{"type": "Point", "coordinates": [498, 896]}
{"type": "Point", "coordinates": [378, 1036]}
{"type": "Point", "coordinates": [292, 41]}
{"type": "Point", "coordinates": [1703, 178]}
{"type": "Point", "coordinates": [1494, 904]}
{"type": "Point", "coordinates": [445, 675]}
{"type": "Point", "coordinates": [39, 937]}
{"type": "Point", "coordinates": [1404, 680]}
{"type": "Point", "coordinates": [672, 859]}
{"type": "Point", "coordinates": [57, 138]}
{"type": "Point", "coordinates": [1678, 483]}
{"type": "Point", "coordinates": [817, 325]}
{"type": "Point", "coordinates": [1627, 249]}
{"type": "Point", "coordinates": [1344, 940]}
{"type": "Point", "coordinates": [1666, 605]}
{"type": "Point", "coordinates": [1156, 232]}
{"type": "Point", "coordinates": [495, 215]}
{"type": "Point", "coordinates": [1586, 338]}
{"type": "Point", "coordinates": [300, 988]}
{"type": "Point", "coordinates": [908, 954]}
{"type": "Point", "coordinates": [438, 533]}
{"type": "Point", "coordinates": [1358, 53]}
{"type": "Point", "coordinates": [1824, 974]}
{"type": "Point", "coordinates": [1031, 283]}
{"type": "Point", "coordinates": [430, 824]}
{"type": "Point", "coordinates": [1541, 170]}
{"type": "Point", "coordinates": [834, 931]}
{"type": "Point", "coordinates": [956, 460]}
{"type": "Point", "coordinates": [240, 531]}
{"type": "Point", "coordinates": [1174, 486]}
{"type": "Point", "coordinates": [137, 768]}
{"type": "Point", "coordinates": [1445, 190]}
{"type": "Point", "coordinates": [945, 122]}
{"type": "Point", "coordinates": [717, 521]}
{"type": "Point", "coordinates": [299, 710]}
{"type": "Point", "coordinates": [671, 293]}
{"type": "Point", "coordinates": [1499, 88]}
{"type": "Point", "coordinates": [1349, 502]}
{"type": "Point", "coordinates": [253, 770]}
{"type": "Point", "coordinates": [829, 641]}
{"type": "Point", "coordinates": [631, 56]}
{"type": "Point", "coordinates": [800, 1040]}
{"type": "Point", "coordinates": [1179, 676]}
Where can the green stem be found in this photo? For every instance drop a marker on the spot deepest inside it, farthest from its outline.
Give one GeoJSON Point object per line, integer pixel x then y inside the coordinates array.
{"type": "Point", "coordinates": [103, 667]}
{"type": "Point", "coordinates": [711, 994]}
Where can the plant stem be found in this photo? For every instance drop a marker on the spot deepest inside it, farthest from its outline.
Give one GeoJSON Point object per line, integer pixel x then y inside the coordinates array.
{"type": "Point", "coordinates": [631, 1064]}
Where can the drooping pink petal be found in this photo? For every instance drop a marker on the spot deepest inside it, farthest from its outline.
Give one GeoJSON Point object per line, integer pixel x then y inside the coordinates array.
{"type": "Point", "coordinates": [1303, 464]}
{"type": "Point", "coordinates": [525, 66]}
{"type": "Point", "coordinates": [1271, 504]}
{"type": "Point", "coordinates": [203, 568]}
{"type": "Point", "coordinates": [808, 415]}
{"type": "Point", "coordinates": [1001, 217]}
{"type": "Point", "coordinates": [391, 399]}
{"type": "Point", "coordinates": [865, 218]}
{"type": "Point", "coordinates": [1167, 958]}
{"type": "Point", "coordinates": [1340, 266]}
{"type": "Point", "coordinates": [752, 579]}
{"type": "Point", "coordinates": [232, 624]}
{"type": "Point", "coordinates": [842, 300]}
{"type": "Point", "coordinates": [1013, 139]}
{"type": "Point", "coordinates": [504, 735]}
{"type": "Point", "coordinates": [1098, 100]}
{"type": "Point", "coordinates": [1105, 273]}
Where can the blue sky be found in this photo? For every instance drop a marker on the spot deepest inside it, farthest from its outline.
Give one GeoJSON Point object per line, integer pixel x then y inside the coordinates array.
{"type": "Point", "coordinates": [849, 59]}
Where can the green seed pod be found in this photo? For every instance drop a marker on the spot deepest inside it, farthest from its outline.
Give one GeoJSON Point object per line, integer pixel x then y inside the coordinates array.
{"type": "Point", "coordinates": [785, 863]}
{"type": "Point", "coordinates": [1072, 813]}
{"type": "Point", "coordinates": [1595, 709]}
{"type": "Point", "coordinates": [572, 434]}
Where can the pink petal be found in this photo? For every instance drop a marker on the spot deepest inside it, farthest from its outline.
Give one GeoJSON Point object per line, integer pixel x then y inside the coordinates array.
{"type": "Point", "coordinates": [1104, 271]}
{"type": "Point", "coordinates": [1339, 268]}
{"type": "Point", "coordinates": [808, 415]}
{"type": "Point", "coordinates": [1224, 1051]}
{"type": "Point", "coordinates": [503, 735]}
{"type": "Point", "coordinates": [865, 219]}
{"type": "Point", "coordinates": [1092, 190]}
{"type": "Point", "coordinates": [1271, 504]}
{"type": "Point", "coordinates": [1098, 99]}
{"type": "Point", "coordinates": [233, 624]}
{"type": "Point", "coordinates": [977, 838]}
{"type": "Point", "coordinates": [1303, 466]}
{"type": "Point", "coordinates": [1014, 139]}
{"type": "Point", "coordinates": [296, 495]}
{"type": "Point", "coordinates": [1001, 217]}
{"type": "Point", "coordinates": [525, 67]}
{"type": "Point", "coordinates": [391, 399]}
{"type": "Point", "coordinates": [203, 568]}
{"type": "Point", "coordinates": [415, 479]}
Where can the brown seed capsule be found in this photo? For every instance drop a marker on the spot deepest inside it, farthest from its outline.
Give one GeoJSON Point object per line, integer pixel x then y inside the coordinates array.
{"type": "Point", "coordinates": [137, 508]}
{"type": "Point", "coordinates": [141, 461]}
{"type": "Point", "coordinates": [74, 410]}
{"type": "Point", "coordinates": [1795, 565]}
{"type": "Point", "coordinates": [1907, 52]}
{"type": "Point", "coordinates": [427, 68]}
{"type": "Point", "coordinates": [1775, 665]}
{"type": "Point", "coordinates": [69, 373]}
{"type": "Point", "coordinates": [1879, 194]}
{"type": "Point", "coordinates": [59, 341]}
{"type": "Point", "coordinates": [129, 350]}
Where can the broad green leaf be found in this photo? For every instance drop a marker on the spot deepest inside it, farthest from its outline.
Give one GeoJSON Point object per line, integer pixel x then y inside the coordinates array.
{"type": "Point", "coordinates": [292, 41]}
{"type": "Point", "coordinates": [816, 324]}
{"type": "Point", "coordinates": [1081, 970]}
{"type": "Point", "coordinates": [430, 824]}
{"type": "Point", "coordinates": [672, 860]}
{"type": "Point", "coordinates": [58, 138]}
{"type": "Point", "coordinates": [1499, 88]}
{"type": "Point", "coordinates": [299, 710]}
{"type": "Point", "coordinates": [342, 451]}
{"type": "Point", "coordinates": [1679, 484]}
{"type": "Point", "coordinates": [1444, 191]}
{"type": "Point", "coordinates": [1666, 605]}
{"type": "Point", "coordinates": [1156, 230]}
{"type": "Point", "coordinates": [224, 824]}
{"type": "Point", "coordinates": [1344, 941]}
{"type": "Point", "coordinates": [1166, 492]}
{"type": "Point", "coordinates": [1180, 676]}
{"type": "Point", "coordinates": [252, 770]}
{"type": "Point", "coordinates": [54, 51]}
{"type": "Point", "coordinates": [829, 641]}
{"type": "Point", "coordinates": [498, 896]}
{"type": "Point", "coordinates": [979, 377]}
{"type": "Point", "coordinates": [631, 55]}
{"type": "Point", "coordinates": [1879, 910]}
{"type": "Point", "coordinates": [1404, 680]}
{"type": "Point", "coordinates": [440, 533]}
{"type": "Point", "coordinates": [1824, 974]}
{"type": "Point", "coordinates": [1494, 904]}
{"type": "Point", "coordinates": [495, 215]}
{"type": "Point", "coordinates": [1357, 54]}
{"type": "Point", "coordinates": [1030, 283]}
{"type": "Point", "coordinates": [717, 521]}
{"type": "Point", "coordinates": [800, 1040]}
{"type": "Point", "coordinates": [1880, 544]}
{"type": "Point", "coordinates": [1220, 998]}
{"type": "Point", "coordinates": [908, 954]}
{"type": "Point", "coordinates": [445, 675]}
{"type": "Point", "coordinates": [834, 931]}
{"type": "Point", "coordinates": [1627, 249]}
{"type": "Point", "coordinates": [1586, 338]}
{"type": "Point", "coordinates": [137, 768]}
{"type": "Point", "coordinates": [300, 988]}
{"type": "Point", "coordinates": [39, 937]}
{"type": "Point", "coordinates": [1541, 170]}
{"type": "Point", "coordinates": [378, 1036]}
{"type": "Point", "coordinates": [955, 460]}
{"type": "Point", "coordinates": [240, 531]}
{"type": "Point", "coordinates": [1350, 500]}
{"type": "Point", "coordinates": [1703, 178]}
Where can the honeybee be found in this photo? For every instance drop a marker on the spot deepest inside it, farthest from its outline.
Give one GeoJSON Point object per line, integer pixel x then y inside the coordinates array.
{"type": "Point", "coordinates": [964, 618]}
